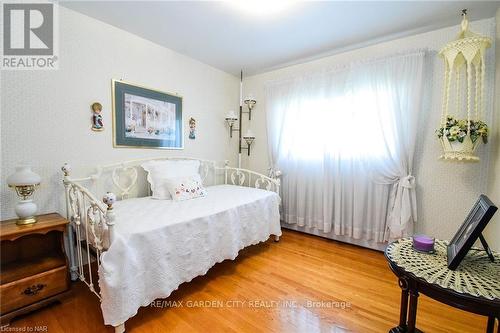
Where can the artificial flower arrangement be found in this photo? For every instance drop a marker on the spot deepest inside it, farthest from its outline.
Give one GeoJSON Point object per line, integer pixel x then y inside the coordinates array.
{"type": "Point", "coordinates": [456, 130]}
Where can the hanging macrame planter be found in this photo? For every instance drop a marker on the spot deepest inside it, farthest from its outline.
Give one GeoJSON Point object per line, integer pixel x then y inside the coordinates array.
{"type": "Point", "coordinates": [462, 129]}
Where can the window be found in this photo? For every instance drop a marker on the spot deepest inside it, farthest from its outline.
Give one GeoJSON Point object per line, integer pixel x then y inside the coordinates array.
{"type": "Point", "coordinates": [346, 126]}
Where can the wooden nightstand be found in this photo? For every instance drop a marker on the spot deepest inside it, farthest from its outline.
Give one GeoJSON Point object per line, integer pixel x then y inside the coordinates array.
{"type": "Point", "coordinates": [33, 265]}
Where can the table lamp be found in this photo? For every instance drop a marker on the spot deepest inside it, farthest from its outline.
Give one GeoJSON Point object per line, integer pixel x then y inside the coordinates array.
{"type": "Point", "coordinates": [24, 181]}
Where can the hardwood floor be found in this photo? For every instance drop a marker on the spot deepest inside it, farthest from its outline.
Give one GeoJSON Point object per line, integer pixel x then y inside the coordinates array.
{"type": "Point", "coordinates": [278, 282]}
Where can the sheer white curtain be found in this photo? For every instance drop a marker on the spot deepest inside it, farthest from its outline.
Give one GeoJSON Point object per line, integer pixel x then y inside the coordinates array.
{"type": "Point", "coordinates": [344, 140]}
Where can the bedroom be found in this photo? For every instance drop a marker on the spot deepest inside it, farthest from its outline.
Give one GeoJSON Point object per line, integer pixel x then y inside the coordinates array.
{"type": "Point", "coordinates": [307, 136]}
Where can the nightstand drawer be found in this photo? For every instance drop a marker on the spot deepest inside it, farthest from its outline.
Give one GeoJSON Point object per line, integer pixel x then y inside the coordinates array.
{"type": "Point", "coordinates": [23, 292]}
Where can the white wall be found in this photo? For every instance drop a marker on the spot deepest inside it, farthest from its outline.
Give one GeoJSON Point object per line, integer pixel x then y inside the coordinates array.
{"type": "Point", "coordinates": [45, 115]}
{"type": "Point", "coordinates": [446, 190]}
{"type": "Point", "coordinates": [492, 232]}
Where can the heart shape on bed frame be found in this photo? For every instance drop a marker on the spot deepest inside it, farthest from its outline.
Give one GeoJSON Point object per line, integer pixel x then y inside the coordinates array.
{"type": "Point", "coordinates": [240, 175]}
{"type": "Point", "coordinates": [263, 182]}
{"type": "Point", "coordinates": [118, 174]}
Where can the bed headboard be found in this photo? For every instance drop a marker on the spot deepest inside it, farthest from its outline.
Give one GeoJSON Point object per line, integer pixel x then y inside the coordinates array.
{"type": "Point", "coordinates": [129, 180]}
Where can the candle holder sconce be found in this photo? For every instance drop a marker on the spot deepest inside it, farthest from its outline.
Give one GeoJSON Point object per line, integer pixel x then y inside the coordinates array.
{"type": "Point", "coordinates": [231, 118]}
{"type": "Point", "coordinates": [249, 137]}
{"type": "Point", "coordinates": [250, 103]}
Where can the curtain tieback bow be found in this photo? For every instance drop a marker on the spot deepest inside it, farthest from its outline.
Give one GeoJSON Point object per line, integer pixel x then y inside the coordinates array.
{"type": "Point", "coordinates": [407, 182]}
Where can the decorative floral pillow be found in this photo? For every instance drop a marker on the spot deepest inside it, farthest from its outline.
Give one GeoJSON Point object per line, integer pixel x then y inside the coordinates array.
{"type": "Point", "coordinates": [185, 188]}
{"type": "Point", "coordinates": [159, 171]}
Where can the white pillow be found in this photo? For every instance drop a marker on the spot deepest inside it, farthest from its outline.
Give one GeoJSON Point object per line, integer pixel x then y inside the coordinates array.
{"type": "Point", "coordinates": [160, 171]}
{"type": "Point", "coordinates": [185, 188]}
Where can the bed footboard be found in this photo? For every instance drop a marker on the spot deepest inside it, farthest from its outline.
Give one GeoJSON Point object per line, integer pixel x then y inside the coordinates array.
{"type": "Point", "coordinates": [86, 231]}
{"type": "Point", "coordinates": [249, 178]}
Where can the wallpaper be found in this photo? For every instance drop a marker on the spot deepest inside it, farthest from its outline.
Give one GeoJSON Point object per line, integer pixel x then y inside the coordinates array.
{"type": "Point", "coordinates": [46, 117]}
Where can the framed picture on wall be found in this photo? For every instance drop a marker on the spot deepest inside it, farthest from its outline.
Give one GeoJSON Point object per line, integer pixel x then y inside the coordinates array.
{"type": "Point", "coordinates": [146, 118]}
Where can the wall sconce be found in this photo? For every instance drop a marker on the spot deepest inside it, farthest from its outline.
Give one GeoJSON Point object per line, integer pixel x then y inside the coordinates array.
{"type": "Point", "coordinates": [249, 137]}
{"type": "Point", "coordinates": [231, 118]}
{"type": "Point", "coordinates": [250, 103]}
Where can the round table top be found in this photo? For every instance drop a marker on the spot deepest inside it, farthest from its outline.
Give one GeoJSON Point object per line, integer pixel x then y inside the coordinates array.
{"type": "Point", "coordinates": [476, 275]}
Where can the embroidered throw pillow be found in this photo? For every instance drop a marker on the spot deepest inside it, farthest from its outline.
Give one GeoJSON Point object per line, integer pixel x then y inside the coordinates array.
{"type": "Point", "coordinates": [159, 171]}
{"type": "Point", "coordinates": [185, 188]}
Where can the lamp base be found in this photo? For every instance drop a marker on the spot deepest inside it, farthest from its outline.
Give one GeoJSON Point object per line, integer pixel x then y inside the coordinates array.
{"type": "Point", "coordinates": [26, 220]}
{"type": "Point", "coordinates": [25, 211]}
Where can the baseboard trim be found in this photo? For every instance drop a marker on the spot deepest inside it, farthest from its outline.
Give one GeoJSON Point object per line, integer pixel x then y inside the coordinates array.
{"type": "Point", "coordinates": [370, 244]}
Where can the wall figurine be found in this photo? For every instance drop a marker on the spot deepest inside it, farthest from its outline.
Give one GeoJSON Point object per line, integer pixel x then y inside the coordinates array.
{"type": "Point", "coordinates": [192, 128]}
{"type": "Point", "coordinates": [97, 124]}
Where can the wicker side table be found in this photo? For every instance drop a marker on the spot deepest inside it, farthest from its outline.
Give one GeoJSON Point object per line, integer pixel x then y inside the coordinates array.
{"type": "Point", "coordinates": [473, 287]}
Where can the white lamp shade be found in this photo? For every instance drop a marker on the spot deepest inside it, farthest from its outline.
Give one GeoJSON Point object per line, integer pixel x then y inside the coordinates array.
{"type": "Point", "coordinates": [23, 176]}
{"type": "Point", "coordinates": [231, 115]}
{"type": "Point", "coordinates": [249, 98]}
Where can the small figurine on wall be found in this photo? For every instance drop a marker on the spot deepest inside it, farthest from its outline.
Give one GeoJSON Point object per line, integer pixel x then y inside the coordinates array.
{"type": "Point", "coordinates": [192, 128]}
{"type": "Point", "coordinates": [97, 124]}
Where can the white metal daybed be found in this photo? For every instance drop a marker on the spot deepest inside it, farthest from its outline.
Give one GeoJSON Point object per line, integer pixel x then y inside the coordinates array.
{"type": "Point", "coordinates": [145, 248]}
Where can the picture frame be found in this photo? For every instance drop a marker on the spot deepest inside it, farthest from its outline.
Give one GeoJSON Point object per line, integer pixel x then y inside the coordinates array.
{"type": "Point", "coordinates": [470, 231]}
{"type": "Point", "coordinates": [146, 118]}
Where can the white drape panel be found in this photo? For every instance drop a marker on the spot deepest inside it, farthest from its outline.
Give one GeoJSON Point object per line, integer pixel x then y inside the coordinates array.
{"type": "Point", "coordinates": [344, 140]}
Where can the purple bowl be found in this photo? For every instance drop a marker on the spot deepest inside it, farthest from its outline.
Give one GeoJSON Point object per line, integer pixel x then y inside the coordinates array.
{"type": "Point", "coordinates": [423, 243]}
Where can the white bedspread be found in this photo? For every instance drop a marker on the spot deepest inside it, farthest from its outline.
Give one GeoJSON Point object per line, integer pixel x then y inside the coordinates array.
{"type": "Point", "coordinates": [160, 244]}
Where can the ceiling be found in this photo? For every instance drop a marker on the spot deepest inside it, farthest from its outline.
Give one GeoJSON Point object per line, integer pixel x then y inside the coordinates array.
{"type": "Point", "coordinates": [226, 37]}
